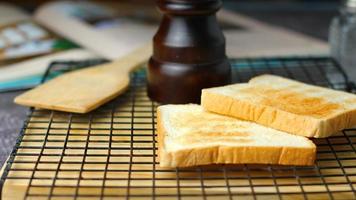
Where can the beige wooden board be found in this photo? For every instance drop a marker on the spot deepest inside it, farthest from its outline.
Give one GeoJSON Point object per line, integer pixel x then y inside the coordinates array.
{"type": "Point", "coordinates": [110, 154]}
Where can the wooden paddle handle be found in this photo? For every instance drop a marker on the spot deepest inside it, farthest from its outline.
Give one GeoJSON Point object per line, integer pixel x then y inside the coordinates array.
{"type": "Point", "coordinates": [131, 61]}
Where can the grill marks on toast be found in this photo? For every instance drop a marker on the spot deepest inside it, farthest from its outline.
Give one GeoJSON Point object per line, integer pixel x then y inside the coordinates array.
{"type": "Point", "coordinates": [293, 102]}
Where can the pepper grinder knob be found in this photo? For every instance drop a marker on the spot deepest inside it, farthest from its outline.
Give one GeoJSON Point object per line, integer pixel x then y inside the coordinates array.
{"type": "Point", "coordinates": [188, 52]}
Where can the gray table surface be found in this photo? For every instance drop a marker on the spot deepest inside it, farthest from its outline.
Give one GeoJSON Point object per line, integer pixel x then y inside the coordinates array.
{"type": "Point", "coordinates": [11, 121]}
{"type": "Point", "coordinates": [313, 23]}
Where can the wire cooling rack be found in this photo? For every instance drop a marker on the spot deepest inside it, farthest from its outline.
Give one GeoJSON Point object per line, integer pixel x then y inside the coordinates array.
{"type": "Point", "coordinates": [111, 153]}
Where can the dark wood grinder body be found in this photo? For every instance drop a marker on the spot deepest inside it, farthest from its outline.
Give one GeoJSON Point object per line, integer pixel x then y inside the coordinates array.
{"type": "Point", "coordinates": [189, 52]}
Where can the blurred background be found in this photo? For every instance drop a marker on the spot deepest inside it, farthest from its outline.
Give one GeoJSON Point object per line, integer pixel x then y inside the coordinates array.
{"type": "Point", "coordinates": [311, 17]}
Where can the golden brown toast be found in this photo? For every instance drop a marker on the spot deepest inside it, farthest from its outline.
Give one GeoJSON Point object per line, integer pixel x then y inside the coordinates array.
{"type": "Point", "coordinates": [190, 136]}
{"type": "Point", "coordinates": [284, 104]}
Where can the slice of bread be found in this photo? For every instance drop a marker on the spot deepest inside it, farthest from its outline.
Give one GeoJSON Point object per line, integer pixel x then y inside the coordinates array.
{"type": "Point", "coordinates": [190, 136]}
{"type": "Point", "coordinates": [284, 104]}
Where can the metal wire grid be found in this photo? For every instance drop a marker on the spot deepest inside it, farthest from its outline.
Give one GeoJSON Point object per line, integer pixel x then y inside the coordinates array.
{"type": "Point", "coordinates": [111, 153]}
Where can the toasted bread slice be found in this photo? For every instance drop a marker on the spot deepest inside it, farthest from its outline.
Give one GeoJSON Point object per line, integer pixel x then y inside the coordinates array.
{"type": "Point", "coordinates": [284, 104]}
{"type": "Point", "coordinates": [190, 136]}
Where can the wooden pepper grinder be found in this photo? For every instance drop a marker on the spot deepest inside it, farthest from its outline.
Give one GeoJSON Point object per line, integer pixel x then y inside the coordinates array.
{"type": "Point", "coordinates": [189, 52]}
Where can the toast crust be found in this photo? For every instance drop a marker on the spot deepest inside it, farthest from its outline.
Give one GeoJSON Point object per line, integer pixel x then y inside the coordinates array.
{"type": "Point", "coordinates": [221, 154]}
